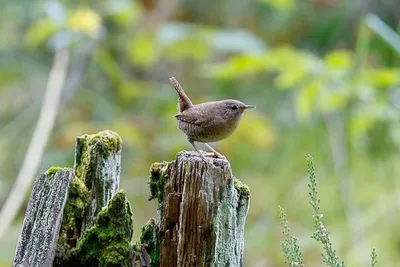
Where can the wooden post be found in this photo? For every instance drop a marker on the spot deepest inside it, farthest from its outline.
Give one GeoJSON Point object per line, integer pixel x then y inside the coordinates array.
{"type": "Point", "coordinates": [39, 235]}
{"type": "Point", "coordinates": [201, 214]}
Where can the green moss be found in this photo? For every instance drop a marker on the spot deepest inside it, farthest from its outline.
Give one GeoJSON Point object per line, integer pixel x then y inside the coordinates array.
{"type": "Point", "coordinates": [157, 180]}
{"type": "Point", "coordinates": [107, 243]}
{"type": "Point", "coordinates": [241, 188]}
{"type": "Point", "coordinates": [105, 142]}
{"type": "Point", "coordinates": [82, 159]}
{"type": "Point", "coordinates": [81, 149]}
{"type": "Point", "coordinates": [53, 170]}
{"type": "Point", "coordinates": [73, 216]}
{"type": "Point", "coordinates": [150, 236]}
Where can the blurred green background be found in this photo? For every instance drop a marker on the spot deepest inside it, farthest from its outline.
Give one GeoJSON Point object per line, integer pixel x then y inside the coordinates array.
{"type": "Point", "coordinates": [324, 75]}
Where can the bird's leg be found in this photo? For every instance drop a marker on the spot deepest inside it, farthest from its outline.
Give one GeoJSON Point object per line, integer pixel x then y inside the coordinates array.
{"type": "Point", "coordinates": [216, 153]}
{"type": "Point", "coordinates": [201, 154]}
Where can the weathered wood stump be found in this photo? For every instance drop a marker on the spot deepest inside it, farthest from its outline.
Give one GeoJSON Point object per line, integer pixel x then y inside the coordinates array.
{"type": "Point", "coordinates": [80, 217]}
{"type": "Point", "coordinates": [42, 221]}
{"type": "Point", "coordinates": [201, 214]}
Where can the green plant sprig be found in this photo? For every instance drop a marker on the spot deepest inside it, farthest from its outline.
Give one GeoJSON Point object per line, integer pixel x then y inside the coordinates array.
{"type": "Point", "coordinates": [321, 234]}
{"type": "Point", "coordinates": [291, 251]}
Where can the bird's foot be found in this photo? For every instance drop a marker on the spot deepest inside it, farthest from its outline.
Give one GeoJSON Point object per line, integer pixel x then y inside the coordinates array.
{"type": "Point", "coordinates": [215, 155]}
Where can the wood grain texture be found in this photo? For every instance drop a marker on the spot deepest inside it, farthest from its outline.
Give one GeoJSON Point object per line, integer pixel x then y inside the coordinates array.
{"type": "Point", "coordinates": [37, 242]}
{"type": "Point", "coordinates": [98, 165]}
{"type": "Point", "coordinates": [202, 215]}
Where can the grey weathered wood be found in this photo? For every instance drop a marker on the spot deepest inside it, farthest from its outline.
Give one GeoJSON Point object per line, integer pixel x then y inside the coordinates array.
{"type": "Point", "coordinates": [202, 213]}
{"type": "Point", "coordinates": [39, 235]}
{"type": "Point", "coordinates": [97, 168]}
{"type": "Point", "coordinates": [98, 164]}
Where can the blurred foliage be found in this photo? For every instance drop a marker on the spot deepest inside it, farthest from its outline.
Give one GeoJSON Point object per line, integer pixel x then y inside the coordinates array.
{"type": "Point", "coordinates": [323, 85]}
{"type": "Point", "coordinates": [303, 63]}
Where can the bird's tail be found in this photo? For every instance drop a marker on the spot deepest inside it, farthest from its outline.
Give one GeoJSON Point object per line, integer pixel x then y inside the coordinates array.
{"type": "Point", "coordinates": [183, 100]}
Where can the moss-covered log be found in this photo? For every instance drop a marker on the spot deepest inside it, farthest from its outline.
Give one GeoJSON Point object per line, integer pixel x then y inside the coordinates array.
{"type": "Point", "coordinates": [201, 215]}
{"type": "Point", "coordinates": [39, 235]}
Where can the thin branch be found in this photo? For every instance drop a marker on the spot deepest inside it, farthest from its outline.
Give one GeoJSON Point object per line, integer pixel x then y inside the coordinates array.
{"type": "Point", "coordinates": [39, 139]}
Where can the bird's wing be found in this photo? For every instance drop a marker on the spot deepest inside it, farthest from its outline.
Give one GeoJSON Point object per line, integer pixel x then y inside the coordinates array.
{"type": "Point", "coordinates": [194, 117]}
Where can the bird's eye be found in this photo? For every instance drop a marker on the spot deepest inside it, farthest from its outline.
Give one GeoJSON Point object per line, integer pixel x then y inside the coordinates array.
{"type": "Point", "coordinates": [235, 107]}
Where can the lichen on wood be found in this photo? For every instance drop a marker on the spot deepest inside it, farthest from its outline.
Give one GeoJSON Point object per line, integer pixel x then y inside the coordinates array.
{"type": "Point", "coordinates": [157, 180]}
{"type": "Point", "coordinates": [39, 235]}
{"type": "Point", "coordinates": [74, 215]}
{"type": "Point", "coordinates": [98, 165]}
{"type": "Point", "coordinates": [96, 181]}
{"type": "Point", "coordinates": [203, 211]}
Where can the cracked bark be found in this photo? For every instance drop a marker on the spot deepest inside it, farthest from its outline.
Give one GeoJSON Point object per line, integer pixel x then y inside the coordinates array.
{"type": "Point", "coordinates": [73, 214]}
{"type": "Point", "coordinates": [202, 212]}
{"type": "Point", "coordinates": [39, 235]}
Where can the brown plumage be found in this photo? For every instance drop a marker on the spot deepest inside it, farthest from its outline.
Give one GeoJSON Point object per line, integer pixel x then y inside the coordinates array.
{"type": "Point", "coordinates": [209, 121]}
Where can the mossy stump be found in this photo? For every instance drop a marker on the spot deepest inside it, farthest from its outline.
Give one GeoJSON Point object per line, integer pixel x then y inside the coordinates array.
{"type": "Point", "coordinates": [80, 217]}
{"type": "Point", "coordinates": [93, 193]}
{"type": "Point", "coordinates": [201, 214]}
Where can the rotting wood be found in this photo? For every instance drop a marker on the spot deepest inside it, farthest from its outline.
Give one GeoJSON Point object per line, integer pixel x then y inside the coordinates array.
{"type": "Point", "coordinates": [39, 235]}
{"type": "Point", "coordinates": [97, 168]}
{"type": "Point", "coordinates": [202, 212]}
{"type": "Point", "coordinates": [98, 165]}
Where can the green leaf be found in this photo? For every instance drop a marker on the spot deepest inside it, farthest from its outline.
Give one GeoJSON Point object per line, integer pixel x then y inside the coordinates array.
{"type": "Point", "coordinates": [40, 32]}
{"type": "Point", "coordinates": [109, 65]}
{"type": "Point", "coordinates": [85, 20]}
{"type": "Point", "coordinates": [339, 59]}
{"type": "Point", "coordinates": [237, 66]}
{"type": "Point", "coordinates": [193, 49]}
{"type": "Point", "coordinates": [282, 57]}
{"type": "Point", "coordinates": [143, 50]}
{"type": "Point", "coordinates": [262, 134]}
{"type": "Point", "coordinates": [124, 14]}
{"type": "Point", "coordinates": [282, 5]}
{"type": "Point", "coordinates": [333, 99]}
{"type": "Point", "coordinates": [384, 77]}
{"type": "Point", "coordinates": [290, 78]}
{"type": "Point", "coordinates": [8, 75]}
{"type": "Point", "coordinates": [360, 123]}
{"type": "Point", "coordinates": [132, 89]}
{"type": "Point", "coordinates": [306, 98]}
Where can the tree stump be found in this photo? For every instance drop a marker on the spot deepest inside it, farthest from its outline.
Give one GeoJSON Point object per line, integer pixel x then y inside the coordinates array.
{"type": "Point", "coordinates": [98, 165]}
{"type": "Point", "coordinates": [42, 221]}
{"type": "Point", "coordinates": [201, 214]}
{"type": "Point", "coordinates": [80, 217]}
{"type": "Point", "coordinates": [86, 234]}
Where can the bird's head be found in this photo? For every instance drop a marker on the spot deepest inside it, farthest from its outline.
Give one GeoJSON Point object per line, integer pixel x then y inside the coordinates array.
{"type": "Point", "coordinates": [234, 108]}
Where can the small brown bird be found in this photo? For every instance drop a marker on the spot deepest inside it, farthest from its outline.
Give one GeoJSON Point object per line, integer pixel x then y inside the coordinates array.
{"type": "Point", "coordinates": [209, 121]}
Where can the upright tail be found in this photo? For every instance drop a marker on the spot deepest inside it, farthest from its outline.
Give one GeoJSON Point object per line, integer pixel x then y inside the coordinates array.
{"type": "Point", "coordinates": [183, 100]}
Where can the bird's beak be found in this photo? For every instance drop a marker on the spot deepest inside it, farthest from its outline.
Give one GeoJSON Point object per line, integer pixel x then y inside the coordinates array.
{"type": "Point", "coordinates": [249, 106]}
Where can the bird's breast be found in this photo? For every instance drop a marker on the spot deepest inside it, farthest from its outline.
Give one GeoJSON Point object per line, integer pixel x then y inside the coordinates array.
{"type": "Point", "coordinates": [210, 132]}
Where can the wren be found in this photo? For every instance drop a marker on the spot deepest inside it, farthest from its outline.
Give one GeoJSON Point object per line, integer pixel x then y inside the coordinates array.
{"type": "Point", "coordinates": [207, 122]}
